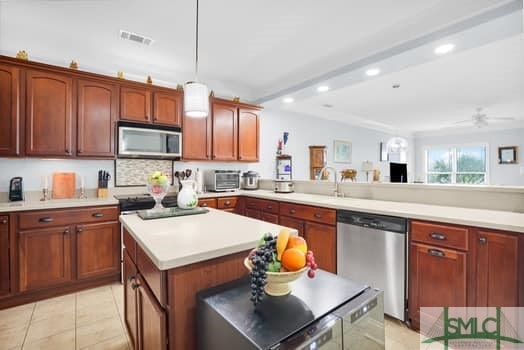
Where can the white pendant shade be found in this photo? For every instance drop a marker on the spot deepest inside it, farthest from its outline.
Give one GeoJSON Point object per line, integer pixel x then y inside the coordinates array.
{"type": "Point", "coordinates": [196, 100]}
{"type": "Point", "coordinates": [397, 144]}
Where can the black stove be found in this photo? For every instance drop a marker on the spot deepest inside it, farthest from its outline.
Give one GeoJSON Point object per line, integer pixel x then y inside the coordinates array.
{"type": "Point", "coordinates": [133, 202]}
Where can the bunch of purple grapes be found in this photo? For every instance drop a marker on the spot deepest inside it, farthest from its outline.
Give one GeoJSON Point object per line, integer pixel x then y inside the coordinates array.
{"type": "Point", "coordinates": [260, 259]}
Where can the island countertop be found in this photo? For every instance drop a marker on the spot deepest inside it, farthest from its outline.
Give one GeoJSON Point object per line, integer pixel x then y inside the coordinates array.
{"type": "Point", "coordinates": [184, 240]}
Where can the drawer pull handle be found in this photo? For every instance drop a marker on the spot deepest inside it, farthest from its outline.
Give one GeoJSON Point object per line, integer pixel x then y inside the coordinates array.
{"type": "Point", "coordinates": [46, 219]}
{"type": "Point", "coordinates": [203, 205]}
{"type": "Point", "coordinates": [252, 204]}
{"type": "Point", "coordinates": [4, 221]}
{"type": "Point", "coordinates": [97, 215]}
{"type": "Point", "coordinates": [79, 230]}
{"type": "Point", "coordinates": [318, 215]}
{"type": "Point", "coordinates": [227, 202]}
{"type": "Point", "coordinates": [483, 240]}
{"type": "Point", "coordinates": [436, 252]}
{"type": "Point", "coordinates": [292, 211]}
{"type": "Point", "coordinates": [437, 236]}
{"type": "Point", "coordinates": [269, 207]}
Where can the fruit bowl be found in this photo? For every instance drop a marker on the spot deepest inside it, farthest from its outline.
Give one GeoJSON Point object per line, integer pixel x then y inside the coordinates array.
{"type": "Point", "coordinates": [278, 282]}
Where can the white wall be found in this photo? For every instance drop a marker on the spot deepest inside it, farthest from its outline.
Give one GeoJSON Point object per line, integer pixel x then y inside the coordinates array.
{"type": "Point", "coordinates": [303, 131]}
{"type": "Point", "coordinates": [499, 174]}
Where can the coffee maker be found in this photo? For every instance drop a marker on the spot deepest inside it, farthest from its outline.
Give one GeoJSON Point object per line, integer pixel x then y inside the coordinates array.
{"type": "Point", "coordinates": [16, 191]}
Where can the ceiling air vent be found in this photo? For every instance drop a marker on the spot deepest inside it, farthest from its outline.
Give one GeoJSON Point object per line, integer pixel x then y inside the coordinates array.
{"type": "Point", "coordinates": [141, 39]}
{"type": "Point", "coordinates": [327, 105]}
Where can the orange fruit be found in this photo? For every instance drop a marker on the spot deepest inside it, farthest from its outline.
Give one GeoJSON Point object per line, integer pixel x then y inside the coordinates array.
{"type": "Point", "coordinates": [282, 239]}
{"type": "Point", "coordinates": [293, 259]}
{"type": "Point", "coordinates": [297, 242]}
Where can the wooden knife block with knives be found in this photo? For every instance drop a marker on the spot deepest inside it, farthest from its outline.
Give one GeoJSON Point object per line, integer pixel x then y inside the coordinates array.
{"type": "Point", "coordinates": [64, 185]}
{"type": "Point", "coordinates": [103, 179]}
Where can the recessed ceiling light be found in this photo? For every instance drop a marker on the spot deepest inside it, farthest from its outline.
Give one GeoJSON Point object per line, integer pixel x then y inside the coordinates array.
{"type": "Point", "coordinates": [372, 72]}
{"type": "Point", "coordinates": [288, 100]}
{"type": "Point", "coordinates": [444, 49]}
{"type": "Point", "coordinates": [323, 88]}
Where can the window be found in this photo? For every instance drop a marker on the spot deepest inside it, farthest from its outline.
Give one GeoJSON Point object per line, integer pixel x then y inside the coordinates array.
{"type": "Point", "coordinates": [465, 164]}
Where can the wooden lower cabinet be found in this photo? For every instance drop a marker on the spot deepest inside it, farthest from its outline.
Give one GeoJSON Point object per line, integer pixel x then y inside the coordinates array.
{"type": "Point", "coordinates": [130, 310]}
{"type": "Point", "coordinates": [97, 249]}
{"type": "Point", "coordinates": [297, 224]}
{"type": "Point", "coordinates": [322, 240]}
{"type": "Point", "coordinates": [44, 257]}
{"type": "Point", "coordinates": [497, 269]}
{"type": "Point", "coordinates": [151, 329]}
{"type": "Point", "coordinates": [267, 217]}
{"type": "Point", "coordinates": [4, 256]}
{"type": "Point", "coordinates": [252, 213]}
{"type": "Point", "coordinates": [437, 277]}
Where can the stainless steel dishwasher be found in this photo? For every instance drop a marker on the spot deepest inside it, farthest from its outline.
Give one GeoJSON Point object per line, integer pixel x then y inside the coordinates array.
{"type": "Point", "coordinates": [371, 249]}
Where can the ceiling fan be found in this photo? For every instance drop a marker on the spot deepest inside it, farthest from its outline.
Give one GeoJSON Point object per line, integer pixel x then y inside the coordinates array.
{"type": "Point", "coordinates": [481, 119]}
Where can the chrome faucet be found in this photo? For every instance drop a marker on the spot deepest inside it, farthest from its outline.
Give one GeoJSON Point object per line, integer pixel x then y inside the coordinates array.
{"type": "Point", "coordinates": [336, 191]}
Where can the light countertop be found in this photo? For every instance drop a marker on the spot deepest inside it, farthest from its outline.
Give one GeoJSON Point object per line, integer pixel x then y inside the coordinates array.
{"type": "Point", "coordinates": [183, 240]}
{"type": "Point", "coordinates": [495, 219]}
{"type": "Point", "coordinates": [6, 207]}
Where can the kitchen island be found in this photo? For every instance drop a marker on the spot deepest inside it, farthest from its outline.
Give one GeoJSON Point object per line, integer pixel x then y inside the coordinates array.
{"type": "Point", "coordinates": [166, 261]}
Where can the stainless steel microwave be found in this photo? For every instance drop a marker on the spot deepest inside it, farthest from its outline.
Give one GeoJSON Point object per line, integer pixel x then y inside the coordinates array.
{"type": "Point", "coordinates": [137, 140]}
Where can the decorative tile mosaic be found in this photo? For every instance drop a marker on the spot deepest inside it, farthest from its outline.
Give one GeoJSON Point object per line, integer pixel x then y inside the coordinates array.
{"type": "Point", "coordinates": [134, 172]}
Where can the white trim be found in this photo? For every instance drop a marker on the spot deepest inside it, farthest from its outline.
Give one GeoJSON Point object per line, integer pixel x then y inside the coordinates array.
{"type": "Point", "coordinates": [453, 147]}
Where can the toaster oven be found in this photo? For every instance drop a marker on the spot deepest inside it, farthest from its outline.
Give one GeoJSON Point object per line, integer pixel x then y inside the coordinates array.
{"type": "Point", "coordinates": [222, 180]}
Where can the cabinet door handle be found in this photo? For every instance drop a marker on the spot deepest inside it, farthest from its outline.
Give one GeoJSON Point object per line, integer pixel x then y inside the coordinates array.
{"type": "Point", "coordinates": [135, 285]}
{"type": "Point", "coordinates": [437, 236]}
{"type": "Point", "coordinates": [292, 211]}
{"type": "Point", "coordinates": [318, 215]}
{"type": "Point", "coordinates": [227, 203]}
{"type": "Point", "coordinates": [66, 232]}
{"type": "Point", "coordinates": [483, 240]}
{"type": "Point", "coordinates": [79, 230]}
{"type": "Point", "coordinates": [146, 117]}
{"type": "Point", "coordinates": [97, 215]}
{"type": "Point", "coordinates": [436, 252]}
{"type": "Point", "coordinates": [46, 219]}
{"type": "Point", "coordinates": [155, 118]}
{"type": "Point", "coordinates": [203, 205]}
{"type": "Point", "coordinates": [4, 221]}
{"type": "Point", "coordinates": [67, 151]}
{"type": "Point", "coordinates": [269, 207]}
{"type": "Point", "coordinates": [131, 278]}
{"type": "Point", "coordinates": [79, 151]}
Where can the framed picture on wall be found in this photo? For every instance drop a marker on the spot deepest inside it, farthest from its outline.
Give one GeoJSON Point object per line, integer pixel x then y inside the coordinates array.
{"type": "Point", "coordinates": [342, 151]}
{"type": "Point", "coordinates": [508, 155]}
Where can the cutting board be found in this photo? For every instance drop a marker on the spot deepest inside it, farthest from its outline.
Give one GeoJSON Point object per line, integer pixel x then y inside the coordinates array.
{"type": "Point", "coordinates": [64, 185]}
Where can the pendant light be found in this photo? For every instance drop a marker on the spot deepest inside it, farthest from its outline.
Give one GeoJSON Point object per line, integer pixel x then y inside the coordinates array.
{"type": "Point", "coordinates": [196, 95]}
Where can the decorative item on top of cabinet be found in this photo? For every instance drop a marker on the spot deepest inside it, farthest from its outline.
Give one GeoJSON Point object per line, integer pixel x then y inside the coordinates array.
{"type": "Point", "coordinates": [49, 114]}
{"type": "Point", "coordinates": [317, 160]}
{"type": "Point", "coordinates": [4, 256]}
{"type": "Point", "coordinates": [9, 110]}
{"type": "Point", "coordinates": [73, 64]}
{"type": "Point", "coordinates": [22, 55]}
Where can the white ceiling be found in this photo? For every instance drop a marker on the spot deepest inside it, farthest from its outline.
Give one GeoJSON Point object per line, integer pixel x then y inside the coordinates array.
{"type": "Point", "coordinates": [436, 94]}
{"type": "Point", "coordinates": [248, 48]}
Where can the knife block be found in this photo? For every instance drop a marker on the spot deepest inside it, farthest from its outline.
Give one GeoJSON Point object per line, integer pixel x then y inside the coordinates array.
{"type": "Point", "coordinates": [101, 193]}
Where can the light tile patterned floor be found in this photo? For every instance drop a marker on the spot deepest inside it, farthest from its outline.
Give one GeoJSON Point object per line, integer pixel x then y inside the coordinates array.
{"type": "Point", "coordinates": [92, 320]}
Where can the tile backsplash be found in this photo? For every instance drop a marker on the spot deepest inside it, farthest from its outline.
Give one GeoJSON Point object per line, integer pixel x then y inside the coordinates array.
{"type": "Point", "coordinates": [134, 172]}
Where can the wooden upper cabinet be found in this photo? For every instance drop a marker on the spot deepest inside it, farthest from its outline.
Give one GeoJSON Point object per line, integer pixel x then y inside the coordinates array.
{"type": "Point", "coordinates": [44, 257]}
{"type": "Point", "coordinates": [225, 131]}
{"type": "Point", "coordinates": [135, 104]}
{"type": "Point", "coordinates": [9, 110]}
{"type": "Point", "coordinates": [248, 134]}
{"type": "Point", "coordinates": [167, 108]}
{"type": "Point", "coordinates": [49, 114]}
{"type": "Point", "coordinates": [196, 138]}
{"type": "Point", "coordinates": [97, 114]}
{"type": "Point", "coordinates": [497, 269]}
